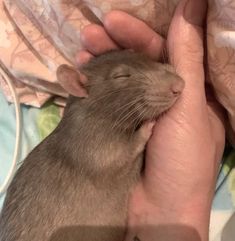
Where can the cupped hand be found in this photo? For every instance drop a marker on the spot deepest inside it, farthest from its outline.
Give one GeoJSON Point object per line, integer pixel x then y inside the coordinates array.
{"type": "Point", "coordinates": [184, 151]}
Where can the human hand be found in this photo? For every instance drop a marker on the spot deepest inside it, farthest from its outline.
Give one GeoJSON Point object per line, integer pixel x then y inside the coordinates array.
{"type": "Point", "coordinates": [183, 154]}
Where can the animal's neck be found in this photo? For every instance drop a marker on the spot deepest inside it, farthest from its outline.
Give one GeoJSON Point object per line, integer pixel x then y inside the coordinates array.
{"type": "Point", "coordinates": [91, 138]}
{"type": "Point", "coordinates": [92, 147]}
{"type": "Point", "coordinates": [88, 124]}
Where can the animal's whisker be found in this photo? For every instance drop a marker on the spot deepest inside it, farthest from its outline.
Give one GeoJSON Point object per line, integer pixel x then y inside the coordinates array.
{"type": "Point", "coordinates": [131, 113]}
{"type": "Point", "coordinates": [122, 115]}
{"type": "Point", "coordinates": [129, 104]}
{"type": "Point", "coordinates": [110, 93]}
{"type": "Point", "coordinates": [122, 109]}
{"type": "Point", "coordinates": [135, 110]}
{"type": "Point", "coordinates": [138, 121]}
{"type": "Point", "coordinates": [95, 103]}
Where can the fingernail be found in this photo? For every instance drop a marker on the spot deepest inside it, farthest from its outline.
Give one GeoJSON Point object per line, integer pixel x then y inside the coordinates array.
{"type": "Point", "coordinates": [195, 11]}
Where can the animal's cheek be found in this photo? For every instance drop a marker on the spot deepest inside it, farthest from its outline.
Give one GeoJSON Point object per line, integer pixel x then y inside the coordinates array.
{"type": "Point", "coordinates": [119, 84]}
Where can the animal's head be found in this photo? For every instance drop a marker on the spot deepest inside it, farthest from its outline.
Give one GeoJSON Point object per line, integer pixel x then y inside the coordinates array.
{"type": "Point", "coordinates": [126, 86]}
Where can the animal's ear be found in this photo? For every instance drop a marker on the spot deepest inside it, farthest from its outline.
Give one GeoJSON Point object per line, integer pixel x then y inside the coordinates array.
{"type": "Point", "coordinates": [71, 80]}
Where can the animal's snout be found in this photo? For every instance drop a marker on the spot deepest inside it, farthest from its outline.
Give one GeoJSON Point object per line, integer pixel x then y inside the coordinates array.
{"type": "Point", "coordinates": [177, 87]}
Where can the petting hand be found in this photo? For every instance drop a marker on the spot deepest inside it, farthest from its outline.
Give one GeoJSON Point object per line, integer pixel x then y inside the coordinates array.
{"type": "Point", "coordinates": [184, 151]}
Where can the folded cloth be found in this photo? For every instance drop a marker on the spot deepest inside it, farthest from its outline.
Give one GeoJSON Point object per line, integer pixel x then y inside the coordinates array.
{"type": "Point", "coordinates": [39, 35]}
{"type": "Point", "coordinates": [221, 53]}
{"type": "Point", "coordinates": [36, 36]}
{"type": "Point", "coordinates": [36, 39]}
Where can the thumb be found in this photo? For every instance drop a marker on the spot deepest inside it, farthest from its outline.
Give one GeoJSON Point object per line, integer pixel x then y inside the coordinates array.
{"type": "Point", "coordinates": [183, 124]}
{"type": "Point", "coordinates": [185, 43]}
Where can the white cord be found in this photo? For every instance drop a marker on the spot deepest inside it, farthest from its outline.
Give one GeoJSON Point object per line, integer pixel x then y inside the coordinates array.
{"type": "Point", "coordinates": [13, 167]}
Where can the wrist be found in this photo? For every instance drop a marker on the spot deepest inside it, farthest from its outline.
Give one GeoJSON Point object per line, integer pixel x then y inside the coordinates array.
{"type": "Point", "coordinates": [187, 221]}
{"type": "Point", "coordinates": [166, 226]}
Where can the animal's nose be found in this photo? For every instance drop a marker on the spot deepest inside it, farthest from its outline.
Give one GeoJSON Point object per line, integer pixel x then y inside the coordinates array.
{"type": "Point", "coordinates": [177, 87]}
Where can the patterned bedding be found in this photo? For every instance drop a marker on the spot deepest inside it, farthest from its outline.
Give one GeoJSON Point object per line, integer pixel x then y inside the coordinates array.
{"type": "Point", "coordinates": [23, 45]}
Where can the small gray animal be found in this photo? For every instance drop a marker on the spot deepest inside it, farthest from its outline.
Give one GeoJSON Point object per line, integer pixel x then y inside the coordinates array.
{"type": "Point", "coordinates": [75, 185]}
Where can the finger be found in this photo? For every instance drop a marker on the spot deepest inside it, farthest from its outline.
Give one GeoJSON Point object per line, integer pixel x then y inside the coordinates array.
{"type": "Point", "coordinates": [131, 33]}
{"type": "Point", "coordinates": [185, 44]}
{"type": "Point", "coordinates": [189, 116]}
{"type": "Point", "coordinates": [96, 40]}
{"type": "Point", "coordinates": [186, 53]}
{"type": "Point", "coordinates": [83, 57]}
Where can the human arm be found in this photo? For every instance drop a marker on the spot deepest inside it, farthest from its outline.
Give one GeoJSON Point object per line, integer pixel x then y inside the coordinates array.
{"type": "Point", "coordinates": [173, 199]}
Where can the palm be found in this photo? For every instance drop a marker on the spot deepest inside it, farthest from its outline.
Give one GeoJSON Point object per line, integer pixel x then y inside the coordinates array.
{"type": "Point", "coordinates": [176, 144]}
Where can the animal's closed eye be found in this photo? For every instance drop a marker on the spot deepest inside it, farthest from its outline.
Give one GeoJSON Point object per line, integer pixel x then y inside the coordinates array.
{"type": "Point", "coordinates": [120, 76]}
{"type": "Point", "coordinates": [120, 71]}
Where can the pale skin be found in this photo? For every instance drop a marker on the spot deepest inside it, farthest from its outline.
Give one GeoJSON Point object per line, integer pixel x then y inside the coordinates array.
{"type": "Point", "coordinates": [173, 199]}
